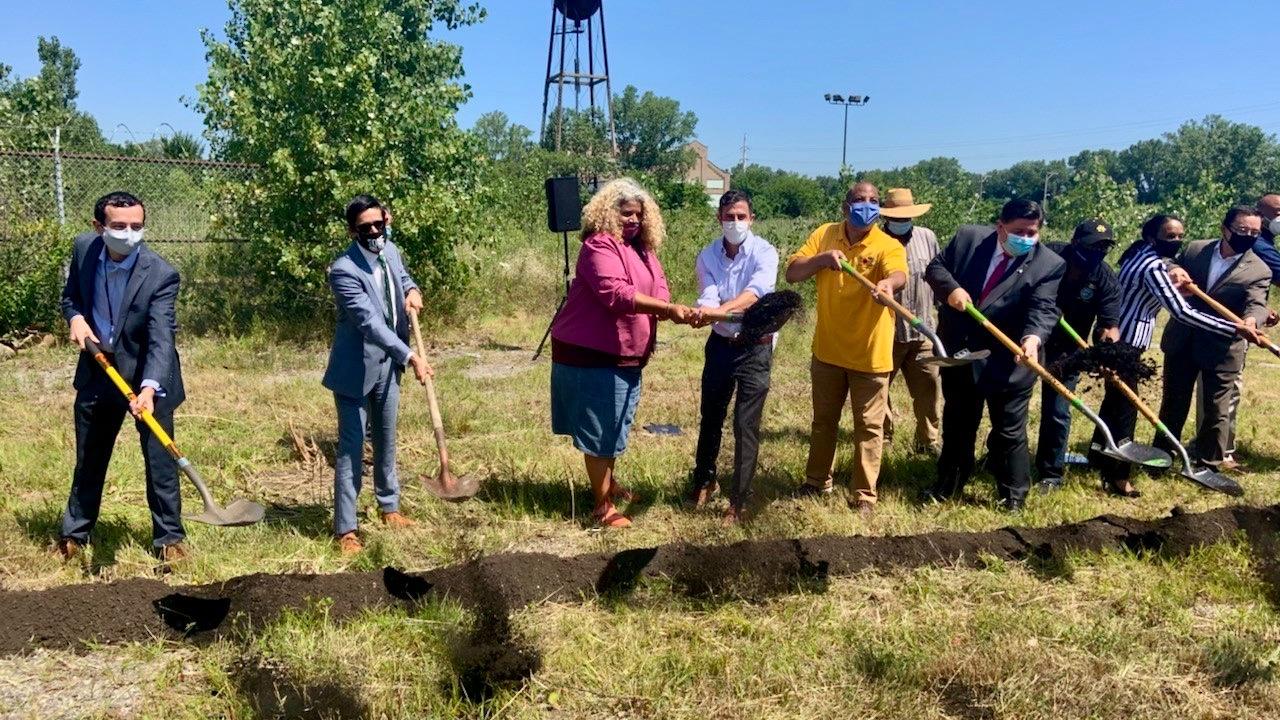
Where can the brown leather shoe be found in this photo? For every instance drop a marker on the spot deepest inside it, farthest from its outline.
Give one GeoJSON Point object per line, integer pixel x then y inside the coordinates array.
{"type": "Point", "coordinates": [396, 520]}
{"type": "Point", "coordinates": [699, 497]}
{"type": "Point", "coordinates": [173, 553]}
{"type": "Point", "coordinates": [350, 544]}
{"type": "Point", "coordinates": [1232, 465]}
{"type": "Point", "coordinates": [68, 549]}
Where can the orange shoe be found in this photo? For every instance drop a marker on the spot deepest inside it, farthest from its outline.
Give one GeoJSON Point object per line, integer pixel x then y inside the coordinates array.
{"type": "Point", "coordinates": [68, 549]}
{"type": "Point", "coordinates": [350, 544]}
{"type": "Point", "coordinates": [396, 519]}
{"type": "Point", "coordinates": [607, 516]}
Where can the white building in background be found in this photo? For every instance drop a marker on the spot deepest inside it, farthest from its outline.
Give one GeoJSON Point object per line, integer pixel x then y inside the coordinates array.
{"type": "Point", "coordinates": [705, 173]}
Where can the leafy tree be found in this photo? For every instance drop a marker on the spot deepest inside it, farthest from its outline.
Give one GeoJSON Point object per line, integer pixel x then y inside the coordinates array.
{"type": "Point", "coordinates": [500, 138]}
{"type": "Point", "coordinates": [1201, 206]}
{"type": "Point", "coordinates": [1027, 179]}
{"type": "Point", "coordinates": [1095, 193]}
{"type": "Point", "coordinates": [31, 108]}
{"type": "Point", "coordinates": [335, 99]}
{"type": "Point", "coordinates": [653, 133]}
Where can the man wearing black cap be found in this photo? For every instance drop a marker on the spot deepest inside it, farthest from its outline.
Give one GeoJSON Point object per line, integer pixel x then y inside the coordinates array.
{"type": "Point", "coordinates": [1088, 292]}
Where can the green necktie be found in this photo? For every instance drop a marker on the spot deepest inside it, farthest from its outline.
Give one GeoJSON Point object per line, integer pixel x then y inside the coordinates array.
{"type": "Point", "coordinates": [387, 312]}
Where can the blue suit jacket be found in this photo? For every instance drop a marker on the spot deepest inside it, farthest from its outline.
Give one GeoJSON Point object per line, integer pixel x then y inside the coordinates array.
{"type": "Point", "coordinates": [144, 345]}
{"type": "Point", "coordinates": [363, 341]}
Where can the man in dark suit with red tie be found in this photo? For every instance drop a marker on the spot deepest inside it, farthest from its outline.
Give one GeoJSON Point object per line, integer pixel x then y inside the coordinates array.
{"type": "Point", "coordinates": [1013, 280]}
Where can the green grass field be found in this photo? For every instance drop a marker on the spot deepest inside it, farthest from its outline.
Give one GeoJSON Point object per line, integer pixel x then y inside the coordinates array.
{"type": "Point", "coordinates": [1111, 636]}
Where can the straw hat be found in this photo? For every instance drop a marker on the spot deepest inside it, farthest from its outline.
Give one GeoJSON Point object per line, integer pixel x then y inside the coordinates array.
{"type": "Point", "coordinates": [899, 204]}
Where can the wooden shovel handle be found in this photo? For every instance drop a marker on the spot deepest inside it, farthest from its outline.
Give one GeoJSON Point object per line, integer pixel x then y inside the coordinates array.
{"type": "Point", "coordinates": [887, 299]}
{"type": "Point", "coordinates": [437, 424]}
{"type": "Point", "coordinates": [1027, 360]}
{"type": "Point", "coordinates": [1225, 312]}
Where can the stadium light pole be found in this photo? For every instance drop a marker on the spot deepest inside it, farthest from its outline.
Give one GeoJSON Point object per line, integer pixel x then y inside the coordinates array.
{"type": "Point", "coordinates": [846, 101]}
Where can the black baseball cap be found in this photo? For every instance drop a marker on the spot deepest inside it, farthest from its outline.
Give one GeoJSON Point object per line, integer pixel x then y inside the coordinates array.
{"type": "Point", "coordinates": [1093, 231]}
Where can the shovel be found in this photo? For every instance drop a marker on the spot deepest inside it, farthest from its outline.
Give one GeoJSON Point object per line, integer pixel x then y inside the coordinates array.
{"type": "Point", "coordinates": [1129, 451]}
{"type": "Point", "coordinates": [940, 357]}
{"type": "Point", "coordinates": [239, 512]}
{"type": "Point", "coordinates": [444, 485]}
{"type": "Point", "coordinates": [1204, 476]}
{"type": "Point", "coordinates": [1225, 312]}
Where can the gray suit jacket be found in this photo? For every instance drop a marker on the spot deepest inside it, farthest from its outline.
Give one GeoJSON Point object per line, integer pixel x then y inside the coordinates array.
{"type": "Point", "coordinates": [144, 345]}
{"type": "Point", "coordinates": [363, 341]}
{"type": "Point", "coordinates": [1023, 303]}
{"type": "Point", "coordinates": [1242, 288]}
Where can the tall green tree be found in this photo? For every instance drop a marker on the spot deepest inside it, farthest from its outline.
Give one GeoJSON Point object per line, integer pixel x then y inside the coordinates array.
{"type": "Point", "coordinates": [331, 100]}
{"type": "Point", "coordinates": [653, 133]}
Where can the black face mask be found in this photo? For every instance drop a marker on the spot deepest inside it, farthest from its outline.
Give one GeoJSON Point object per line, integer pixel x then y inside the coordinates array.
{"type": "Point", "coordinates": [1089, 257]}
{"type": "Point", "coordinates": [1167, 248]}
{"type": "Point", "coordinates": [1241, 243]}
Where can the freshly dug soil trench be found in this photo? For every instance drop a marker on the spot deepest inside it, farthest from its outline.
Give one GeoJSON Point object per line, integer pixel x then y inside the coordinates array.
{"type": "Point", "coordinates": [140, 609]}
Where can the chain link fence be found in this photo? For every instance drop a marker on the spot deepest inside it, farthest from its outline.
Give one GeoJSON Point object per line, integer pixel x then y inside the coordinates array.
{"type": "Point", "coordinates": [47, 197]}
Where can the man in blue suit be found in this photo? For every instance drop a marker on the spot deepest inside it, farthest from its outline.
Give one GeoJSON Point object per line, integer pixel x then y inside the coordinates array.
{"type": "Point", "coordinates": [121, 295]}
{"type": "Point", "coordinates": [374, 295]}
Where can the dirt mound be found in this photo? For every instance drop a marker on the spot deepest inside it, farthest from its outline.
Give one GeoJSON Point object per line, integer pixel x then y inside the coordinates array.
{"type": "Point", "coordinates": [139, 609]}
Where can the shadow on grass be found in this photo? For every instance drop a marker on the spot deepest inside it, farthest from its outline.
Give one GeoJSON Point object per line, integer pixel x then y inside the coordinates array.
{"type": "Point", "coordinates": [43, 525]}
{"type": "Point", "coordinates": [556, 500]}
{"type": "Point", "coordinates": [313, 520]}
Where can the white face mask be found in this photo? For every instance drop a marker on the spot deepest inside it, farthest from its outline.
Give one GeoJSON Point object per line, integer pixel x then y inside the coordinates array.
{"type": "Point", "coordinates": [736, 231]}
{"type": "Point", "coordinates": [121, 242]}
{"type": "Point", "coordinates": [1274, 226]}
{"type": "Point", "coordinates": [899, 227]}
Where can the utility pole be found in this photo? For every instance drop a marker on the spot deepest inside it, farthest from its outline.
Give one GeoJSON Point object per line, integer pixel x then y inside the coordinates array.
{"type": "Point", "coordinates": [743, 161]}
{"type": "Point", "coordinates": [858, 100]}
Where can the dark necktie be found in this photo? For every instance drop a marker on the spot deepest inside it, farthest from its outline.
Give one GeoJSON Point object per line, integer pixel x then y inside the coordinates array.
{"type": "Point", "coordinates": [387, 312]}
{"type": "Point", "coordinates": [994, 280]}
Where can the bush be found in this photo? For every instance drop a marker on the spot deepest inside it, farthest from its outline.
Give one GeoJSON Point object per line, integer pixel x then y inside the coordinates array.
{"type": "Point", "coordinates": [33, 261]}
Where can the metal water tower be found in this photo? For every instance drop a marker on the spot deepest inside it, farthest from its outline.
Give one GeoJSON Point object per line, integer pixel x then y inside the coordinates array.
{"type": "Point", "coordinates": [572, 22]}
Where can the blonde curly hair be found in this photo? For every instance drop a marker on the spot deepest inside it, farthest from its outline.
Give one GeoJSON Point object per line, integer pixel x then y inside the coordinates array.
{"type": "Point", "coordinates": [601, 213]}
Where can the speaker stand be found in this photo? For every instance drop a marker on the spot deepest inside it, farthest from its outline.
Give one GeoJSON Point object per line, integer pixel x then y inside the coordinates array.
{"type": "Point", "coordinates": [563, 298]}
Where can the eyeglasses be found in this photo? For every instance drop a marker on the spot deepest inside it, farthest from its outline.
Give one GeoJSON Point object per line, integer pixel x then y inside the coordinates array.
{"type": "Point", "coordinates": [1248, 232]}
{"type": "Point", "coordinates": [377, 225]}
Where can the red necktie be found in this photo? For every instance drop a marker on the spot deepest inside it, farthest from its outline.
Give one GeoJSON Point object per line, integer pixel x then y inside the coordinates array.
{"type": "Point", "coordinates": [996, 276]}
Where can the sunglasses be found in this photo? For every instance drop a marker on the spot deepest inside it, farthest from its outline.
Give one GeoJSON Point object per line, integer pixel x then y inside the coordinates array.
{"type": "Point", "coordinates": [376, 225]}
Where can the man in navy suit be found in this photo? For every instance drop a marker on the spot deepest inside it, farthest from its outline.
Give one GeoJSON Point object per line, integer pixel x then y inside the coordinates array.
{"type": "Point", "coordinates": [374, 295]}
{"type": "Point", "coordinates": [121, 295]}
{"type": "Point", "coordinates": [1013, 280]}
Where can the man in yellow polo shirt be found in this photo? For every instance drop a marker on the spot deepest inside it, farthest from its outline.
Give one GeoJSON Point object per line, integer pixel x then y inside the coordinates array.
{"type": "Point", "coordinates": [853, 341]}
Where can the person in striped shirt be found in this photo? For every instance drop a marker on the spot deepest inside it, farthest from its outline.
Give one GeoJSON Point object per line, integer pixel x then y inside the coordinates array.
{"type": "Point", "coordinates": [1146, 286]}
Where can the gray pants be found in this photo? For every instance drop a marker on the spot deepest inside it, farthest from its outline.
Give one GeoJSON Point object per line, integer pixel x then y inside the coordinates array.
{"type": "Point", "coordinates": [1181, 374]}
{"type": "Point", "coordinates": [1237, 391]}
{"type": "Point", "coordinates": [732, 370]}
{"type": "Point", "coordinates": [377, 411]}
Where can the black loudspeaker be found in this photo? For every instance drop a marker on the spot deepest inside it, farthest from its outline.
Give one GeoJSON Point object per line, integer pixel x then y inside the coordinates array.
{"type": "Point", "coordinates": [564, 207]}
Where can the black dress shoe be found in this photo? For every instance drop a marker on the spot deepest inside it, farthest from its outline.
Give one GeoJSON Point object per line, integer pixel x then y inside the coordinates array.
{"type": "Point", "coordinates": [1048, 485]}
{"type": "Point", "coordinates": [1013, 505]}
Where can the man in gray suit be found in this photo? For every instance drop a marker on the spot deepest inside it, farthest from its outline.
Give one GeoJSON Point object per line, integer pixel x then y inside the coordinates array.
{"type": "Point", "coordinates": [121, 295]}
{"type": "Point", "coordinates": [374, 295]}
{"type": "Point", "coordinates": [1231, 273]}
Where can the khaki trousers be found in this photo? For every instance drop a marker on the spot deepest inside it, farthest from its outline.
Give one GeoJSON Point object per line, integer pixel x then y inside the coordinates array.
{"type": "Point", "coordinates": [925, 388]}
{"type": "Point", "coordinates": [868, 395]}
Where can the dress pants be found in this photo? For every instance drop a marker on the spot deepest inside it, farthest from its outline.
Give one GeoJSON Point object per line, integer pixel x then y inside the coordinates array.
{"type": "Point", "coordinates": [1055, 426]}
{"type": "Point", "coordinates": [99, 412]}
{"type": "Point", "coordinates": [377, 411]}
{"type": "Point", "coordinates": [731, 369]}
{"type": "Point", "coordinates": [1008, 455]}
{"type": "Point", "coordinates": [1213, 435]}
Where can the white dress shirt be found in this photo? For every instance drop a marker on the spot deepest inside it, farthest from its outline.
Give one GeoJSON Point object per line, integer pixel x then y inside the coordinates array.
{"type": "Point", "coordinates": [1218, 265]}
{"type": "Point", "coordinates": [721, 278]}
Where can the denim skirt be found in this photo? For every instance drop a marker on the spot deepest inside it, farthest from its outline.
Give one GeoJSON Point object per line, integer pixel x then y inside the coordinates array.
{"type": "Point", "coordinates": [594, 406]}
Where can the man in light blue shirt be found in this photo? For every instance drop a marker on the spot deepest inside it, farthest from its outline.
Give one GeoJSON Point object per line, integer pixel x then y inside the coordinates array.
{"type": "Point", "coordinates": [734, 271]}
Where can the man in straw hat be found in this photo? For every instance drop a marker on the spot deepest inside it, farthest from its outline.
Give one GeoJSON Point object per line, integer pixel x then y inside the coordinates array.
{"type": "Point", "coordinates": [910, 347]}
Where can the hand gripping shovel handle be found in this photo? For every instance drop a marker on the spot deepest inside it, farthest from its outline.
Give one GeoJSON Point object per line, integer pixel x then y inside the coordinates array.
{"type": "Point", "coordinates": [1038, 369]}
{"type": "Point", "coordinates": [437, 424]}
{"type": "Point", "coordinates": [916, 323]}
{"type": "Point", "coordinates": [183, 463]}
{"type": "Point", "coordinates": [1225, 312]}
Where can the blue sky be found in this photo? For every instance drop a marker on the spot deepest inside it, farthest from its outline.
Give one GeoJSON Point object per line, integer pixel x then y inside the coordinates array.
{"type": "Point", "coordinates": [989, 82]}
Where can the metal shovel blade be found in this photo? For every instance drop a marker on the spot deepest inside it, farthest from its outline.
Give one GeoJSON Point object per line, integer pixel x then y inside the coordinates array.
{"type": "Point", "coordinates": [961, 357]}
{"type": "Point", "coordinates": [1136, 454]}
{"type": "Point", "coordinates": [239, 512]}
{"type": "Point", "coordinates": [449, 488]}
{"type": "Point", "coordinates": [1211, 480]}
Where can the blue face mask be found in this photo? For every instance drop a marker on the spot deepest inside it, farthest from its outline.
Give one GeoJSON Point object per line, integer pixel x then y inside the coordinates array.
{"type": "Point", "coordinates": [901, 228]}
{"type": "Point", "coordinates": [1019, 245]}
{"type": "Point", "coordinates": [863, 214]}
